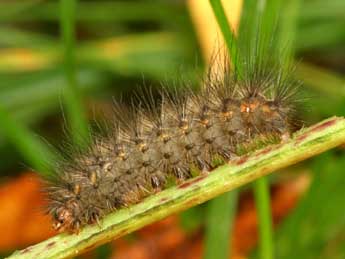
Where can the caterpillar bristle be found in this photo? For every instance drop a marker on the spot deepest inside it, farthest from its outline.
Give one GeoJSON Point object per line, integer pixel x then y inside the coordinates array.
{"type": "Point", "coordinates": [171, 137]}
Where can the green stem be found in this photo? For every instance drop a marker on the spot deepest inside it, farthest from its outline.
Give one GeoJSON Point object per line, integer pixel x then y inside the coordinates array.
{"type": "Point", "coordinates": [68, 8]}
{"type": "Point", "coordinates": [220, 215]}
{"type": "Point", "coordinates": [262, 202]}
{"type": "Point", "coordinates": [227, 32]}
{"type": "Point", "coordinates": [75, 112]}
{"type": "Point", "coordinates": [288, 30]}
{"type": "Point", "coordinates": [305, 144]}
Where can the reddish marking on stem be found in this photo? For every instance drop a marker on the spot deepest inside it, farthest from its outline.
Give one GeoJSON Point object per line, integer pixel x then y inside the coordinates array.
{"type": "Point", "coordinates": [264, 151]}
{"type": "Point", "coordinates": [26, 250]}
{"type": "Point", "coordinates": [315, 129]}
{"type": "Point", "coordinates": [301, 137]}
{"type": "Point", "coordinates": [51, 244]}
{"type": "Point", "coordinates": [189, 183]}
{"type": "Point", "coordinates": [164, 199]}
{"type": "Point", "coordinates": [242, 160]}
{"type": "Point", "coordinates": [323, 125]}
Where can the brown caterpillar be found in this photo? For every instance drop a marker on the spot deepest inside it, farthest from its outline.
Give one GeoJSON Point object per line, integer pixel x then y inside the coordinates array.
{"type": "Point", "coordinates": [150, 144]}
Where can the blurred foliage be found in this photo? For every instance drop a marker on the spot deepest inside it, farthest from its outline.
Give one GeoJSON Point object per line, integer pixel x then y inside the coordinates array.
{"type": "Point", "coordinates": [316, 229]}
{"type": "Point", "coordinates": [121, 45]}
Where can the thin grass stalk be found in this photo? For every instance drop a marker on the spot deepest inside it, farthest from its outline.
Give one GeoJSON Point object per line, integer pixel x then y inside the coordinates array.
{"type": "Point", "coordinates": [73, 99]}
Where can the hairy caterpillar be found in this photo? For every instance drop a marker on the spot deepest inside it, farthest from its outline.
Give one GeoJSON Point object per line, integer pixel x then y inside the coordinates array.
{"type": "Point", "coordinates": [150, 144]}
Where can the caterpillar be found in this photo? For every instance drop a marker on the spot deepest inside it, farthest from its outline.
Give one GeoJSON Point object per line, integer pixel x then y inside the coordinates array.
{"type": "Point", "coordinates": [153, 143]}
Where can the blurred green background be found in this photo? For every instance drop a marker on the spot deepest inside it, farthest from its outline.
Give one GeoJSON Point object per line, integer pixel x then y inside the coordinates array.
{"type": "Point", "coordinates": [47, 75]}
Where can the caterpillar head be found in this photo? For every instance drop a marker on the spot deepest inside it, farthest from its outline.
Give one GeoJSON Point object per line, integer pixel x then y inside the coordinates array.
{"type": "Point", "coordinates": [64, 219]}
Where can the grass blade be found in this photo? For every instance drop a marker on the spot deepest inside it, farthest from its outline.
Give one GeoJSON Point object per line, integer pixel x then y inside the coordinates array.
{"type": "Point", "coordinates": [75, 112]}
{"type": "Point", "coordinates": [263, 206]}
{"type": "Point", "coordinates": [220, 214]}
{"type": "Point", "coordinates": [227, 32]}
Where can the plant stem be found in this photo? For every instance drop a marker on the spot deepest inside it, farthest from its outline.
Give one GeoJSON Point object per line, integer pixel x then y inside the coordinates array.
{"type": "Point", "coordinates": [262, 203]}
{"type": "Point", "coordinates": [75, 112]}
{"type": "Point", "coordinates": [305, 144]}
{"type": "Point", "coordinates": [227, 32]}
{"type": "Point", "coordinates": [220, 215]}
